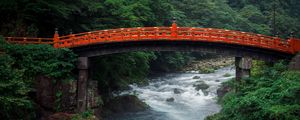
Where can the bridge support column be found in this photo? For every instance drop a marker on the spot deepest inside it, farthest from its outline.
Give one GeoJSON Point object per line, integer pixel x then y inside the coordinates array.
{"type": "Point", "coordinates": [82, 66]}
{"type": "Point", "coordinates": [295, 63]}
{"type": "Point", "coordinates": [243, 67]}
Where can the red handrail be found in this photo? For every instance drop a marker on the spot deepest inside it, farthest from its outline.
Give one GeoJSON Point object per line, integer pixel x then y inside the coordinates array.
{"type": "Point", "coordinates": [291, 45]}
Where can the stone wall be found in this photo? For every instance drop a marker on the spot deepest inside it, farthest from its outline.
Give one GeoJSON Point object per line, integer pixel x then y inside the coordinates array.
{"type": "Point", "coordinates": [93, 98]}
{"type": "Point", "coordinates": [45, 93]}
{"type": "Point", "coordinates": [52, 96]}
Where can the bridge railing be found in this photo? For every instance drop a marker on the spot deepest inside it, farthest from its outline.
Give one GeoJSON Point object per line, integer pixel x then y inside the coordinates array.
{"type": "Point", "coordinates": [165, 33]}
{"type": "Point", "coordinates": [25, 40]}
{"type": "Point", "coordinates": [233, 37]}
{"type": "Point", "coordinates": [181, 33]}
{"type": "Point", "coordinates": [115, 35]}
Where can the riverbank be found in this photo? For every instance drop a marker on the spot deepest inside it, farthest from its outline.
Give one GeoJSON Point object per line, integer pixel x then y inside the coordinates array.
{"type": "Point", "coordinates": [208, 65]}
{"type": "Point", "coordinates": [270, 94]}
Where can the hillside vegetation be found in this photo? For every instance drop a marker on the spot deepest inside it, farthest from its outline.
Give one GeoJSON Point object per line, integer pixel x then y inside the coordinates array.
{"type": "Point", "coordinates": [271, 93]}
{"type": "Point", "coordinates": [38, 18]}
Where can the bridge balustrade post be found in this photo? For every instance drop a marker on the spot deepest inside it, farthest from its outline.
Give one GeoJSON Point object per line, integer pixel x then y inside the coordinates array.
{"type": "Point", "coordinates": [138, 33]}
{"type": "Point", "coordinates": [56, 39]}
{"type": "Point", "coordinates": [82, 66]}
{"type": "Point", "coordinates": [174, 30]}
{"type": "Point", "coordinates": [72, 38]}
{"type": "Point", "coordinates": [155, 33]}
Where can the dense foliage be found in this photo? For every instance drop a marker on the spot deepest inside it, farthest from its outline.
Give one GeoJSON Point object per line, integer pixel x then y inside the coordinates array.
{"type": "Point", "coordinates": [131, 68]}
{"type": "Point", "coordinates": [170, 61]}
{"type": "Point", "coordinates": [39, 18]}
{"type": "Point", "coordinates": [273, 94]}
{"type": "Point", "coordinates": [34, 18]}
{"type": "Point", "coordinates": [19, 66]}
{"type": "Point", "coordinates": [245, 15]}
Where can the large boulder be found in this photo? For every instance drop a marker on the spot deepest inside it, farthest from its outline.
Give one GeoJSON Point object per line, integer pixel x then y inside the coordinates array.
{"type": "Point", "coordinates": [127, 103]}
{"type": "Point", "coordinates": [200, 85]}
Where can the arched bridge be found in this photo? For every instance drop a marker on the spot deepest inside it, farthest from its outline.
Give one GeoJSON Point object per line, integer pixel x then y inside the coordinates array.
{"type": "Point", "coordinates": [169, 38]}
{"type": "Point", "coordinates": [239, 44]}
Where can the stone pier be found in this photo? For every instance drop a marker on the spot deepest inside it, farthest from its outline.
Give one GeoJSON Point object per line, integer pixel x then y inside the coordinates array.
{"type": "Point", "coordinates": [243, 66]}
{"type": "Point", "coordinates": [82, 65]}
{"type": "Point", "coordinates": [295, 63]}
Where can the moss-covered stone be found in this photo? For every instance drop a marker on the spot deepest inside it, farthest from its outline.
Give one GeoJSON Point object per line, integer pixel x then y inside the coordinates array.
{"type": "Point", "coordinates": [127, 103]}
{"type": "Point", "coordinates": [227, 75]}
{"type": "Point", "coordinates": [201, 86]}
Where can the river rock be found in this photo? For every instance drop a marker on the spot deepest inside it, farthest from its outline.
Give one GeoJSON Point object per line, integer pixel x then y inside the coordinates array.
{"type": "Point", "coordinates": [227, 75]}
{"type": "Point", "coordinates": [223, 90]}
{"type": "Point", "coordinates": [201, 86]}
{"type": "Point", "coordinates": [178, 91]}
{"type": "Point", "coordinates": [217, 80]}
{"type": "Point", "coordinates": [127, 103]}
{"type": "Point", "coordinates": [196, 77]}
{"type": "Point", "coordinates": [156, 85]}
{"type": "Point", "coordinates": [170, 99]}
{"type": "Point", "coordinates": [205, 92]}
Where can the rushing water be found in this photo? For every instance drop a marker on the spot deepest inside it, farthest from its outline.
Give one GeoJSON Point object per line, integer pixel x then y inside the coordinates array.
{"type": "Point", "coordinates": [190, 104]}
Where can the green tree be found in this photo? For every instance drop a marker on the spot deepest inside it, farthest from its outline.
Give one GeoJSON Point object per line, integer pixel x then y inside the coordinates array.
{"type": "Point", "coordinates": [19, 66]}
{"type": "Point", "coordinates": [116, 72]}
{"type": "Point", "coordinates": [39, 18]}
{"type": "Point", "coordinates": [14, 100]}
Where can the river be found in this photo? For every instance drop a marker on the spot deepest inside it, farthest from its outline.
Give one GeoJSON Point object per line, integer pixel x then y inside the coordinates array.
{"type": "Point", "coordinates": [190, 104]}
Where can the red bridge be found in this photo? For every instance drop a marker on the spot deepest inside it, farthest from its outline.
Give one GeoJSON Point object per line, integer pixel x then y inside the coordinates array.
{"type": "Point", "coordinates": [242, 45]}
{"type": "Point", "coordinates": [174, 33]}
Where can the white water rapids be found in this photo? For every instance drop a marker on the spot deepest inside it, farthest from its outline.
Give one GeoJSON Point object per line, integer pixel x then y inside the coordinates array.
{"type": "Point", "coordinates": [190, 104]}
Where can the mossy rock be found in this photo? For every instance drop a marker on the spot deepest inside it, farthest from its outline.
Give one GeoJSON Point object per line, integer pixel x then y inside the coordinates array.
{"type": "Point", "coordinates": [196, 77]}
{"type": "Point", "coordinates": [201, 86]}
{"type": "Point", "coordinates": [126, 103]}
{"type": "Point", "coordinates": [227, 75]}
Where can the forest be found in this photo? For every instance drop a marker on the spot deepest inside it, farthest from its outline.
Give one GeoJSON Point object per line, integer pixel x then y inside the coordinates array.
{"type": "Point", "coordinates": [20, 65]}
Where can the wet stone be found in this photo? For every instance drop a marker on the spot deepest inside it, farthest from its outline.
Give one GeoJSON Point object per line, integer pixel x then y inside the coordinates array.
{"type": "Point", "coordinates": [178, 91]}
{"type": "Point", "coordinates": [196, 77]}
{"type": "Point", "coordinates": [170, 99]}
